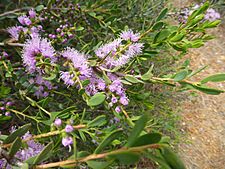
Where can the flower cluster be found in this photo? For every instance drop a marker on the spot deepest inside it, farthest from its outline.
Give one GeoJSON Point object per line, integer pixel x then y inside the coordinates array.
{"type": "Point", "coordinates": [27, 27]}
{"type": "Point", "coordinates": [212, 15]}
{"type": "Point", "coordinates": [4, 106]}
{"type": "Point", "coordinates": [67, 140]}
{"type": "Point", "coordinates": [33, 148]}
{"type": "Point", "coordinates": [117, 53]}
{"type": "Point", "coordinates": [43, 86]}
{"type": "Point", "coordinates": [36, 50]}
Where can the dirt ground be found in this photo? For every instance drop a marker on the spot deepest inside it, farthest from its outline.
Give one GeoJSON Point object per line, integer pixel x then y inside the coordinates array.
{"type": "Point", "coordinates": [203, 116]}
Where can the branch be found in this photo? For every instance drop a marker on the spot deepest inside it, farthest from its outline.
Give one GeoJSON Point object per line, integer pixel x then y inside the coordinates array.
{"type": "Point", "coordinates": [11, 44]}
{"type": "Point", "coordinates": [97, 156]}
{"type": "Point", "coordinates": [13, 11]}
{"type": "Point", "coordinates": [52, 133]}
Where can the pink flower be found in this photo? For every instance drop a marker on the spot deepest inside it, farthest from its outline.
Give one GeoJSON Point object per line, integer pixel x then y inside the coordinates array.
{"type": "Point", "coordinates": [66, 141]}
{"type": "Point", "coordinates": [69, 128]}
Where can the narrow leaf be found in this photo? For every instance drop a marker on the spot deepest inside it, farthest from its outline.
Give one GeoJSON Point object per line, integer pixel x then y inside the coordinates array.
{"type": "Point", "coordinates": [162, 14]}
{"type": "Point", "coordinates": [214, 78]}
{"type": "Point", "coordinates": [18, 133]}
{"type": "Point", "coordinates": [138, 128]}
{"type": "Point", "coordinates": [98, 121]}
{"type": "Point", "coordinates": [15, 146]}
{"type": "Point", "coordinates": [44, 154]}
{"type": "Point", "coordinates": [146, 139]}
{"type": "Point", "coordinates": [108, 140]}
{"type": "Point", "coordinates": [172, 159]}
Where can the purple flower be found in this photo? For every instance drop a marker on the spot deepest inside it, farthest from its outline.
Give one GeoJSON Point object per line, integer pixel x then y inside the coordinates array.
{"type": "Point", "coordinates": [27, 21]}
{"type": "Point", "coordinates": [2, 108]}
{"type": "Point", "coordinates": [101, 85]}
{"type": "Point", "coordinates": [7, 113]}
{"type": "Point", "coordinates": [24, 20]}
{"type": "Point", "coordinates": [66, 141]}
{"type": "Point", "coordinates": [112, 53]}
{"type": "Point", "coordinates": [33, 148]}
{"type": "Point", "coordinates": [130, 35]}
{"type": "Point", "coordinates": [79, 61]}
{"type": "Point", "coordinates": [107, 48]}
{"type": "Point", "coordinates": [9, 103]}
{"type": "Point", "coordinates": [124, 101]}
{"type": "Point", "coordinates": [34, 47]}
{"type": "Point", "coordinates": [117, 109]}
{"type": "Point", "coordinates": [114, 99]}
{"type": "Point", "coordinates": [21, 19]}
{"type": "Point", "coordinates": [133, 50]}
{"type": "Point", "coordinates": [43, 86]}
{"type": "Point", "coordinates": [212, 15]}
{"type": "Point", "coordinates": [69, 128]}
{"type": "Point", "coordinates": [67, 78]}
{"type": "Point", "coordinates": [32, 13]}
{"type": "Point", "coordinates": [58, 30]}
{"type": "Point", "coordinates": [58, 122]}
{"type": "Point", "coordinates": [15, 31]}
{"type": "Point", "coordinates": [34, 32]}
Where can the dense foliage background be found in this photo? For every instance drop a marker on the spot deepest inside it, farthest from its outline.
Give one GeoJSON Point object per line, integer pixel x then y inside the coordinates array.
{"type": "Point", "coordinates": [72, 102]}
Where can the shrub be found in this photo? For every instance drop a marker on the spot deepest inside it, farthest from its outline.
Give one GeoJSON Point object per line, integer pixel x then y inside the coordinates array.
{"type": "Point", "coordinates": [75, 83]}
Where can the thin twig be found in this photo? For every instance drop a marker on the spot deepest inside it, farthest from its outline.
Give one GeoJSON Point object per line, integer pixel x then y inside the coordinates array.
{"type": "Point", "coordinates": [11, 44]}
{"type": "Point", "coordinates": [52, 133]}
{"type": "Point", "coordinates": [13, 11]}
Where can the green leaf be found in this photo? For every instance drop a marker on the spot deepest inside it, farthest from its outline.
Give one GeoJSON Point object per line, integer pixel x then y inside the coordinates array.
{"type": "Point", "coordinates": [51, 77]}
{"type": "Point", "coordinates": [39, 8]}
{"type": "Point", "coordinates": [208, 90]}
{"type": "Point", "coordinates": [44, 154]}
{"type": "Point", "coordinates": [132, 79]}
{"type": "Point", "coordinates": [80, 28]}
{"type": "Point", "coordinates": [196, 44]}
{"type": "Point", "coordinates": [161, 36]}
{"type": "Point", "coordinates": [157, 26]}
{"type": "Point", "coordinates": [18, 133]}
{"type": "Point", "coordinates": [109, 139]}
{"type": "Point", "coordinates": [98, 164]}
{"type": "Point", "coordinates": [162, 14]}
{"type": "Point", "coordinates": [214, 78]}
{"type": "Point", "coordinates": [86, 82]}
{"type": "Point", "coordinates": [199, 11]}
{"type": "Point", "coordinates": [172, 159]}
{"type": "Point", "coordinates": [4, 91]}
{"type": "Point", "coordinates": [97, 99]}
{"type": "Point", "coordinates": [180, 75]}
{"type": "Point", "coordinates": [5, 118]}
{"type": "Point", "coordinates": [212, 24]}
{"type": "Point", "coordinates": [177, 37]}
{"type": "Point", "coordinates": [138, 128]}
{"type": "Point", "coordinates": [162, 163]}
{"type": "Point", "coordinates": [98, 121]}
{"type": "Point", "coordinates": [126, 157]}
{"type": "Point", "coordinates": [146, 139]}
{"type": "Point", "coordinates": [17, 143]}
{"type": "Point", "coordinates": [195, 20]}
{"type": "Point", "coordinates": [126, 82]}
{"type": "Point", "coordinates": [148, 74]}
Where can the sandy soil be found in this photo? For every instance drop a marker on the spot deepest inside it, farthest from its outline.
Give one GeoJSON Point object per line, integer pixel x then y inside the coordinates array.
{"type": "Point", "coordinates": [203, 116]}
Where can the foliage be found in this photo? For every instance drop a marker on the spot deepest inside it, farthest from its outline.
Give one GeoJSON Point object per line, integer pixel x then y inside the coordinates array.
{"type": "Point", "coordinates": [86, 96]}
